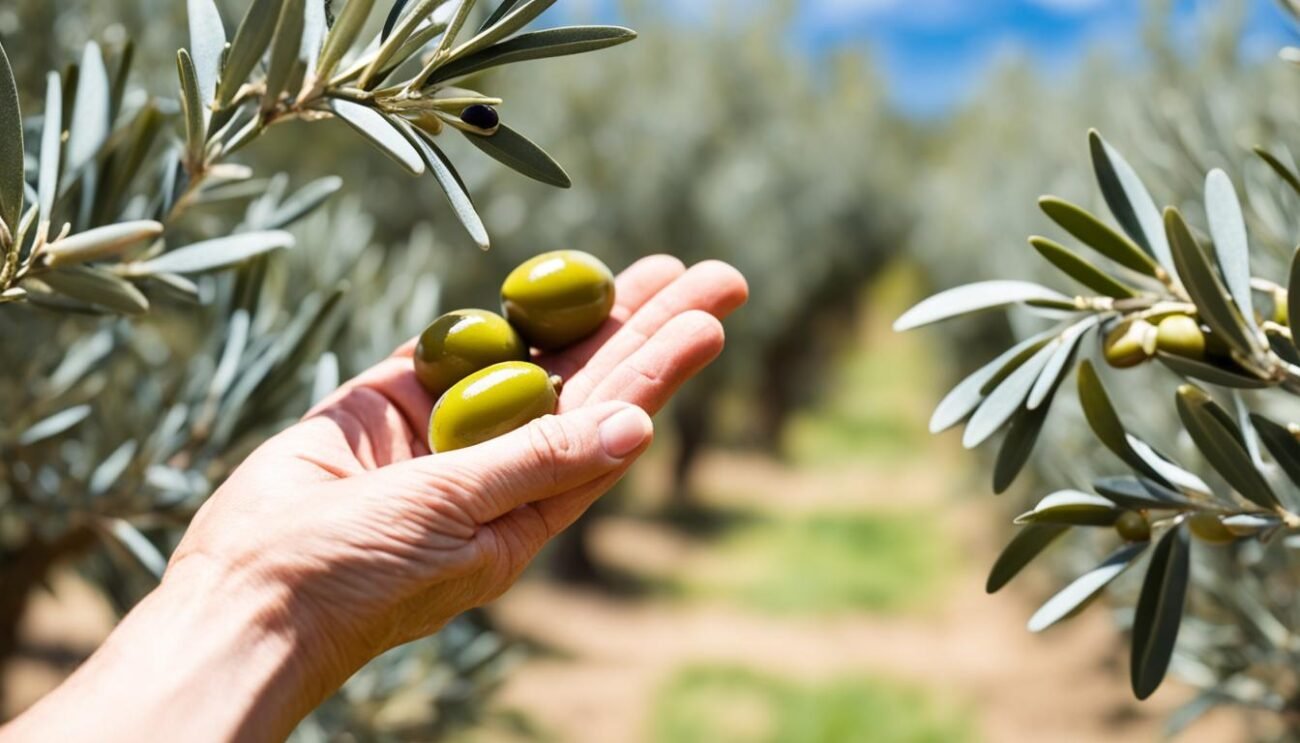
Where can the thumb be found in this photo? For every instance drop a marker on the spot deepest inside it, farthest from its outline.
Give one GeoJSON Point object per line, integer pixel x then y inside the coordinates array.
{"type": "Point", "coordinates": [549, 456]}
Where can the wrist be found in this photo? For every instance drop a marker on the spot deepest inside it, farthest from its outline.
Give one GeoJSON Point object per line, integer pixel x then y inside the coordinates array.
{"type": "Point", "coordinates": [208, 655]}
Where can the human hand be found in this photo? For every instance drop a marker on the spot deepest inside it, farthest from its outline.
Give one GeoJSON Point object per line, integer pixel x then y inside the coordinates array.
{"type": "Point", "coordinates": [367, 541]}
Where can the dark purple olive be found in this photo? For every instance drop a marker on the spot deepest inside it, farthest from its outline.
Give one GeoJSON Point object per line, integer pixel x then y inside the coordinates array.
{"type": "Point", "coordinates": [480, 116]}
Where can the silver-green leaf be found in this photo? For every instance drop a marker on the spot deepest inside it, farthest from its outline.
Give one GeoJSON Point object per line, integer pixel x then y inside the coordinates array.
{"type": "Point", "coordinates": [1023, 548]}
{"type": "Point", "coordinates": [1159, 611]}
{"type": "Point", "coordinates": [91, 112]}
{"type": "Point", "coordinates": [1129, 200]}
{"type": "Point", "coordinates": [982, 295]}
{"type": "Point", "coordinates": [451, 184]}
{"type": "Point", "coordinates": [97, 287]}
{"type": "Point", "coordinates": [51, 146]}
{"type": "Point", "coordinates": [101, 242]}
{"type": "Point", "coordinates": [207, 45]}
{"type": "Point", "coordinates": [380, 132]}
{"type": "Point", "coordinates": [11, 148]}
{"type": "Point", "coordinates": [516, 152]}
{"type": "Point", "coordinates": [552, 42]}
{"type": "Point", "coordinates": [1078, 594]}
{"type": "Point", "coordinates": [53, 425]}
{"type": "Point", "coordinates": [251, 41]}
{"type": "Point", "coordinates": [1228, 230]}
{"type": "Point", "coordinates": [210, 255]}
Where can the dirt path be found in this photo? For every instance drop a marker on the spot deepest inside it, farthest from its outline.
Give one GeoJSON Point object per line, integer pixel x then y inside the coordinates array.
{"type": "Point", "coordinates": [972, 650]}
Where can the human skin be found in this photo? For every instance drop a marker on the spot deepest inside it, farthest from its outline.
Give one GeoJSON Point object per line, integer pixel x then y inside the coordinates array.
{"type": "Point", "coordinates": [342, 536]}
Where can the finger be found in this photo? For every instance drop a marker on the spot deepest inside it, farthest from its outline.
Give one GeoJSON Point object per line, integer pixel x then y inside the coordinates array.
{"type": "Point", "coordinates": [712, 287]}
{"type": "Point", "coordinates": [632, 288]}
{"type": "Point", "coordinates": [549, 456]}
{"type": "Point", "coordinates": [654, 372]}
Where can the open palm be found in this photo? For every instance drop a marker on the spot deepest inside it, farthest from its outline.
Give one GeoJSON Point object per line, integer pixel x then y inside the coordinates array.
{"type": "Point", "coordinates": [378, 542]}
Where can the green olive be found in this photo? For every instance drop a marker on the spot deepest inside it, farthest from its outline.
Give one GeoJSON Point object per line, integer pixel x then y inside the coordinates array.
{"type": "Point", "coordinates": [491, 402]}
{"type": "Point", "coordinates": [1182, 336]}
{"type": "Point", "coordinates": [1281, 311]}
{"type": "Point", "coordinates": [462, 342]}
{"type": "Point", "coordinates": [1130, 343]}
{"type": "Point", "coordinates": [1133, 526]}
{"type": "Point", "coordinates": [558, 298]}
{"type": "Point", "coordinates": [1210, 529]}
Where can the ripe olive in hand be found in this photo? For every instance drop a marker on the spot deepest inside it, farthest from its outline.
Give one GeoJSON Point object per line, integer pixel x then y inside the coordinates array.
{"type": "Point", "coordinates": [462, 342]}
{"type": "Point", "coordinates": [491, 402]}
{"type": "Point", "coordinates": [558, 298]}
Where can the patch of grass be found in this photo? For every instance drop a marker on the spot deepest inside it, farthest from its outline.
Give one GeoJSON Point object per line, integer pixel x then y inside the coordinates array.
{"type": "Point", "coordinates": [707, 704]}
{"type": "Point", "coordinates": [827, 562]}
{"type": "Point", "coordinates": [875, 405]}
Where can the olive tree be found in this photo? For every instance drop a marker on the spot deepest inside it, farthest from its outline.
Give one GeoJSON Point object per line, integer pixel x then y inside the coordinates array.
{"type": "Point", "coordinates": [1200, 496]}
{"type": "Point", "coordinates": [167, 305]}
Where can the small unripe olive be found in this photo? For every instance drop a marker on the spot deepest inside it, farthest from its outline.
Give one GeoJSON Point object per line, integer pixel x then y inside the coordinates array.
{"type": "Point", "coordinates": [462, 342]}
{"type": "Point", "coordinates": [1182, 336]}
{"type": "Point", "coordinates": [481, 116]}
{"type": "Point", "coordinates": [429, 122]}
{"type": "Point", "coordinates": [1133, 526]}
{"type": "Point", "coordinates": [1281, 312]}
{"type": "Point", "coordinates": [491, 402]}
{"type": "Point", "coordinates": [558, 298]}
{"type": "Point", "coordinates": [1209, 528]}
{"type": "Point", "coordinates": [1130, 343]}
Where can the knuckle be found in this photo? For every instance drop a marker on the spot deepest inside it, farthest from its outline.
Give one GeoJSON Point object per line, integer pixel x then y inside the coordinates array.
{"type": "Point", "coordinates": [552, 444]}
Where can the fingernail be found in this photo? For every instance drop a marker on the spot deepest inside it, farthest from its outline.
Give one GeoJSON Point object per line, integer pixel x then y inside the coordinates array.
{"type": "Point", "coordinates": [624, 432]}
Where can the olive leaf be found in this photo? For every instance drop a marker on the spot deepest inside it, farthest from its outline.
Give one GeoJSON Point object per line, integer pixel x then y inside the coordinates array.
{"type": "Point", "coordinates": [213, 254]}
{"type": "Point", "coordinates": [450, 182]}
{"type": "Point", "coordinates": [251, 41]}
{"type": "Point", "coordinates": [1105, 422]}
{"type": "Point", "coordinates": [1028, 543]}
{"type": "Point", "coordinates": [510, 22]}
{"type": "Point", "coordinates": [91, 112]}
{"type": "Point", "coordinates": [1073, 508]}
{"type": "Point", "coordinates": [207, 46]}
{"type": "Point", "coordinates": [53, 425]}
{"type": "Point", "coordinates": [552, 42]}
{"type": "Point", "coordinates": [383, 133]}
{"type": "Point", "coordinates": [1204, 287]}
{"type": "Point", "coordinates": [1097, 235]}
{"type": "Point", "coordinates": [1054, 371]}
{"type": "Point", "coordinates": [394, 13]}
{"type": "Point", "coordinates": [1079, 269]}
{"type": "Point", "coordinates": [1129, 201]}
{"type": "Point", "coordinates": [101, 242]}
{"type": "Point", "coordinates": [1003, 401]}
{"type": "Point", "coordinates": [193, 109]}
{"type": "Point", "coordinates": [966, 396]}
{"type": "Point", "coordinates": [1216, 436]}
{"type": "Point", "coordinates": [97, 287]}
{"type": "Point", "coordinates": [1013, 455]}
{"type": "Point", "coordinates": [398, 36]}
{"type": "Point", "coordinates": [1212, 373]}
{"type": "Point", "coordinates": [1159, 611]}
{"type": "Point", "coordinates": [109, 471]}
{"type": "Point", "coordinates": [504, 7]}
{"type": "Point", "coordinates": [11, 149]}
{"type": "Point", "coordinates": [969, 298]}
{"type": "Point", "coordinates": [1281, 443]}
{"type": "Point", "coordinates": [1285, 172]}
{"type": "Point", "coordinates": [1131, 492]}
{"type": "Point", "coordinates": [1228, 230]}
{"type": "Point", "coordinates": [515, 151]}
{"type": "Point", "coordinates": [347, 27]}
{"type": "Point", "coordinates": [285, 46]}
{"type": "Point", "coordinates": [1086, 587]}
{"type": "Point", "coordinates": [306, 200]}
{"type": "Point", "coordinates": [314, 30]}
{"type": "Point", "coordinates": [128, 538]}
{"type": "Point", "coordinates": [1169, 473]}
{"type": "Point", "coordinates": [51, 146]}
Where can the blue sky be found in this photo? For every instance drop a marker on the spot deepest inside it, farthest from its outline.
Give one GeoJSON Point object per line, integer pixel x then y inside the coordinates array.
{"type": "Point", "coordinates": [935, 52]}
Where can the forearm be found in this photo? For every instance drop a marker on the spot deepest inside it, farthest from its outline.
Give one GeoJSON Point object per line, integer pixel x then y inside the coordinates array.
{"type": "Point", "coordinates": [201, 658]}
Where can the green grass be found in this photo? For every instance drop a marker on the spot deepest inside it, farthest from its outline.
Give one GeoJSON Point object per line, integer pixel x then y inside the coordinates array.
{"type": "Point", "coordinates": [877, 401]}
{"type": "Point", "coordinates": [829, 562]}
{"type": "Point", "coordinates": [709, 704]}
